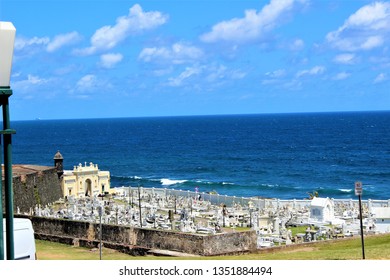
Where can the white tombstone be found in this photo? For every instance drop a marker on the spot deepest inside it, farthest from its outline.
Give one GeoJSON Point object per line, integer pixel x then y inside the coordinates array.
{"type": "Point", "coordinates": [276, 225]}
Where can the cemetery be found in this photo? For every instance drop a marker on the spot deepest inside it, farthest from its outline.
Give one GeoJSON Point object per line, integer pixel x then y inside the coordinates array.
{"type": "Point", "coordinates": [143, 219]}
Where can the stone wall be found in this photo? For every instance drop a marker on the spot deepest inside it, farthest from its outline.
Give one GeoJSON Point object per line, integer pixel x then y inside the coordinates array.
{"type": "Point", "coordinates": [35, 187]}
{"type": "Point", "coordinates": [206, 245]}
{"type": "Point", "coordinates": [232, 242]}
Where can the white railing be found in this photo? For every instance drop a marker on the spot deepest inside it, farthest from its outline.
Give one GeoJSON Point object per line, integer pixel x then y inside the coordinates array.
{"type": "Point", "coordinates": [229, 201]}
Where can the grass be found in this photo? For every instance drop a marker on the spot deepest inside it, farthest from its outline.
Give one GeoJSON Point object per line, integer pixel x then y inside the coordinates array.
{"type": "Point", "coordinates": [376, 248]}
{"type": "Point", "coordinates": [47, 250]}
{"type": "Point", "coordinates": [296, 230]}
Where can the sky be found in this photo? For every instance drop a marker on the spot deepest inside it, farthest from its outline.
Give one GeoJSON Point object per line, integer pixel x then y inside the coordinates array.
{"type": "Point", "coordinates": [114, 58]}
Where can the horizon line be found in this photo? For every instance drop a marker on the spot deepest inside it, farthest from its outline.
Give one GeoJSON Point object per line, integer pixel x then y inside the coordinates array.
{"type": "Point", "coordinates": [205, 115]}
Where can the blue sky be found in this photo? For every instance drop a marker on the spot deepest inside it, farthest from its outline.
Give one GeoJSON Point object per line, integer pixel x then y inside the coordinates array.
{"type": "Point", "coordinates": [114, 58]}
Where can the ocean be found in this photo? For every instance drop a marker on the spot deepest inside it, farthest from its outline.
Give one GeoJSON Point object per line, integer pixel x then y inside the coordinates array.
{"type": "Point", "coordinates": [283, 156]}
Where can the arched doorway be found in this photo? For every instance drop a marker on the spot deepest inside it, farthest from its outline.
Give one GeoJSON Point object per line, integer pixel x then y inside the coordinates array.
{"type": "Point", "coordinates": [88, 187]}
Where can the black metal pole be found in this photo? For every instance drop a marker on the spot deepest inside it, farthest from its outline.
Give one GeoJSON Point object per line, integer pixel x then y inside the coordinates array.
{"type": "Point", "coordinates": [139, 206]}
{"type": "Point", "coordinates": [1, 212]}
{"type": "Point", "coordinates": [250, 218]}
{"type": "Point", "coordinates": [175, 205]}
{"type": "Point", "coordinates": [100, 233]}
{"type": "Point", "coordinates": [223, 214]}
{"type": "Point", "coordinates": [132, 200]}
{"type": "Point", "coordinates": [9, 198]}
{"type": "Point", "coordinates": [361, 225]}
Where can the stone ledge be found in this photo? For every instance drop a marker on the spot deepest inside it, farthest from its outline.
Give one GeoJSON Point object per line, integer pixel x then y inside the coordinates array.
{"type": "Point", "coordinates": [169, 253]}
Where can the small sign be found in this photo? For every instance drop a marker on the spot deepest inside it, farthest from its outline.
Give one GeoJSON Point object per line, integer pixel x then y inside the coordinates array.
{"type": "Point", "coordinates": [358, 188]}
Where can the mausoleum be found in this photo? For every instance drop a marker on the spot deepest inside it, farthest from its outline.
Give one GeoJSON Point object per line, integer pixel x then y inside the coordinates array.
{"type": "Point", "coordinates": [321, 210]}
{"type": "Point", "coordinates": [382, 217]}
{"type": "Point", "coordinates": [85, 180]}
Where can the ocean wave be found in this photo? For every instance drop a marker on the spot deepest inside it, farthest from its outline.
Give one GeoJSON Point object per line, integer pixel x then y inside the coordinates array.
{"type": "Point", "coordinates": [126, 177]}
{"type": "Point", "coordinates": [169, 182]}
{"type": "Point", "coordinates": [345, 190]}
{"type": "Point", "coordinates": [270, 185]}
{"type": "Point", "coordinates": [153, 181]}
{"type": "Point", "coordinates": [245, 189]}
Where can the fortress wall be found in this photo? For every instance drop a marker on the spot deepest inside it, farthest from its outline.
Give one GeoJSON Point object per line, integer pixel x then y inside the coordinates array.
{"type": "Point", "coordinates": [125, 236]}
{"type": "Point", "coordinates": [34, 186]}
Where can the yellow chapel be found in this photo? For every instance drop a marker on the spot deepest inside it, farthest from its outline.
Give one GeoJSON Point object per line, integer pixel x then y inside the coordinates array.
{"type": "Point", "coordinates": [85, 181]}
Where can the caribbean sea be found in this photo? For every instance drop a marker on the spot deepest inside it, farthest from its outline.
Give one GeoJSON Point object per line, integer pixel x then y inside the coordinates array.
{"type": "Point", "coordinates": [282, 156]}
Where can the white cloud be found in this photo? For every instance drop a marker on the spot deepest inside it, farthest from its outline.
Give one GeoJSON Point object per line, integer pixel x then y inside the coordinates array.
{"type": "Point", "coordinates": [35, 80]}
{"type": "Point", "coordinates": [178, 53]}
{"type": "Point", "coordinates": [342, 76]}
{"type": "Point", "coordinates": [276, 74]}
{"type": "Point", "coordinates": [213, 74]}
{"type": "Point", "coordinates": [30, 45]}
{"type": "Point", "coordinates": [15, 74]}
{"type": "Point", "coordinates": [28, 83]}
{"type": "Point", "coordinates": [316, 70]}
{"type": "Point", "coordinates": [163, 71]}
{"type": "Point", "coordinates": [366, 29]}
{"type": "Point", "coordinates": [217, 73]}
{"type": "Point", "coordinates": [221, 73]}
{"type": "Point", "coordinates": [297, 45]}
{"type": "Point", "coordinates": [23, 43]}
{"type": "Point", "coordinates": [372, 42]}
{"type": "Point", "coordinates": [186, 74]}
{"type": "Point", "coordinates": [87, 83]}
{"type": "Point", "coordinates": [380, 78]}
{"type": "Point", "coordinates": [109, 60]}
{"type": "Point", "coordinates": [274, 77]}
{"type": "Point", "coordinates": [149, 54]}
{"type": "Point", "coordinates": [90, 84]}
{"type": "Point", "coordinates": [253, 25]}
{"type": "Point", "coordinates": [107, 37]}
{"type": "Point", "coordinates": [63, 39]}
{"type": "Point", "coordinates": [374, 16]}
{"type": "Point", "coordinates": [237, 74]}
{"type": "Point", "coordinates": [345, 58]}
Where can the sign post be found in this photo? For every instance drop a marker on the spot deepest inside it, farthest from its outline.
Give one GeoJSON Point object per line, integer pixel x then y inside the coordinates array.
{"type": "Point", "coordinates": [100, 211]}
{"type": "Point", "coordinates": [358, 192]}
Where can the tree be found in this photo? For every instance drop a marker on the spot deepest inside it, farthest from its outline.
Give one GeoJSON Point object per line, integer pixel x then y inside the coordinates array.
{"type": "Point", "coordinates": [313, 195]}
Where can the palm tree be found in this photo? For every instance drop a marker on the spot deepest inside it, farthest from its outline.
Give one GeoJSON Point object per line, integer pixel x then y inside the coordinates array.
{"type": "Point", "coordinates": [313, 195]}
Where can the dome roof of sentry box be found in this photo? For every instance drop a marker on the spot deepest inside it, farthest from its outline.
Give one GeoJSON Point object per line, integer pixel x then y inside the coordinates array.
{"type": "Point", "coordinates": [58, 155]}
